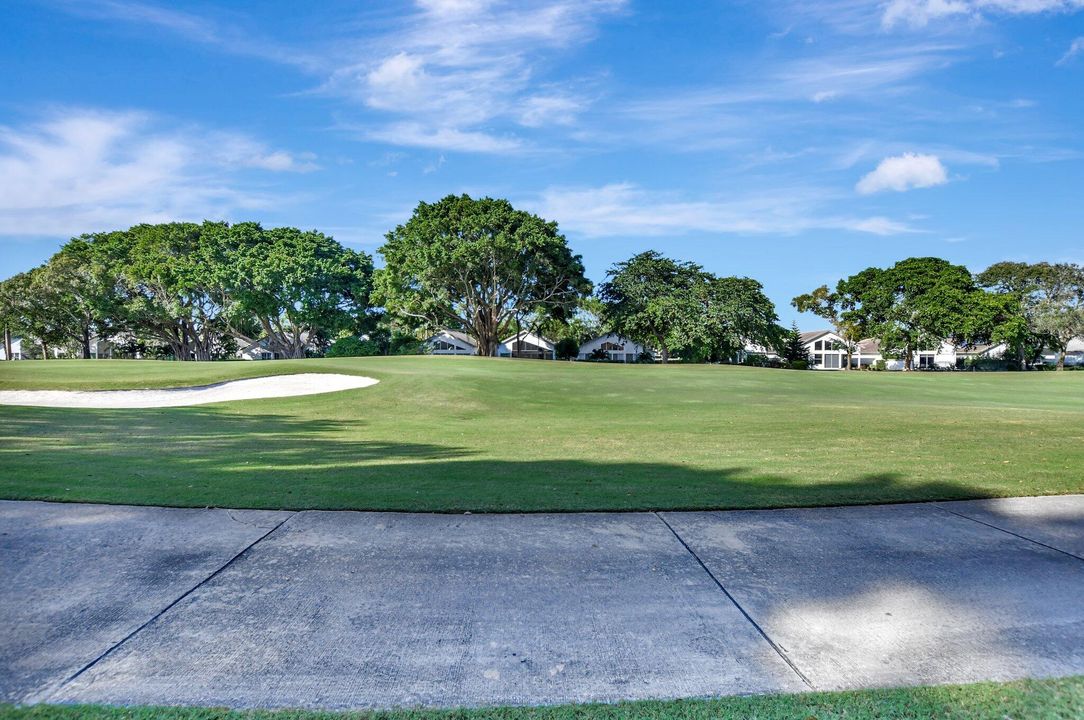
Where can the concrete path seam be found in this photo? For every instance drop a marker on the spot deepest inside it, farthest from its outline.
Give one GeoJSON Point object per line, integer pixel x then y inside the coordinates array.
{"type": "Point", "coordinates": [1010, 532]}
{"type": "Point", "coordinates": [109, 651]}
{"type": "Point", "coordinates": [775, 646]}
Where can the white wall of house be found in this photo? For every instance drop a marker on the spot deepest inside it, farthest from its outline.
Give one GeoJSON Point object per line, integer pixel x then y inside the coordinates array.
{"type": "Point", "coordinates": [527, 344]}
{"type": "Point", "coordinates": [1074, 354]}
{"type": "Point", "coordinates": [16, 349]}
{"type": "Point", "coordinates": [447, 342]}
{"type": "Point", "coordinates": [616, 347]}
{"type": "Point", "coordinates": [256, 351]}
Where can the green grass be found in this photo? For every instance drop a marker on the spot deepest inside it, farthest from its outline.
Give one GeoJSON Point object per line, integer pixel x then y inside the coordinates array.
{"type": "Point", "coordinates": [454, 434]}
{"type": "Point", "coordinates": [1047, 699]}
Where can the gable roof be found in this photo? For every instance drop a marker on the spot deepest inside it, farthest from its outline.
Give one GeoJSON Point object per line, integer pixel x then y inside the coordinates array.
{"type": "Point", "coordinates": [811, 335]}
{"type": "Point", "coordinates": [456, 334]}
{"type": "Point", "coordinates": [527, 336]}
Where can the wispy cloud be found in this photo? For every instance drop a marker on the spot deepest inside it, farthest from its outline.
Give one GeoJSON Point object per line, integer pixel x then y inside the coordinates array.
{"type": "Point", "coordinates": [920, 13]}
{"type": "Point", "coordinates": [225, 37]}
{"type": "Point", "coordinates": [628, 210]}
{"type": "Point", "coordinates": [457, 67]}
{"type": "Point", "coordinates": [1075, 48]}
{"type": "Point", "coordinates": [78, 170]}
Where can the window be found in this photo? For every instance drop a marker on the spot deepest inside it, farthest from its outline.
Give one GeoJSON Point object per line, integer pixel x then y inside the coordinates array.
{"type": "Point", "coordinates": [832, 362]}
{"type": "Point", "coordinates": [818, 359]}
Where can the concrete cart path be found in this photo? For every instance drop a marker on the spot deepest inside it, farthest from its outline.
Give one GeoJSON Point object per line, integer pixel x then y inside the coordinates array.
{"type": "Point", "coordinates": [349, 610]}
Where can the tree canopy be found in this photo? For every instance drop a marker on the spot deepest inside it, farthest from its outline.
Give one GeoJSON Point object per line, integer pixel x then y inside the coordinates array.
{"type": "Point", "coordinates": [477, 265]}
{"type": "Point", "coordinates": [676, 306]}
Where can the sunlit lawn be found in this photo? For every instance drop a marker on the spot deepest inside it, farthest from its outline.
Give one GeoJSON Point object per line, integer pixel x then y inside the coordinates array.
{"type": "Point", "coordinates": [453, 434]}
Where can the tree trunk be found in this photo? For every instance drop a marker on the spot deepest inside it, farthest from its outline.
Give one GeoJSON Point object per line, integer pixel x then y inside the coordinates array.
{"type": "Point", "coordinates": [44, 350]}
{"type": "Point", "coordinates": [850, 356]}
{"type": "Point", "coordinates": [86, 343]}
{"type": "Point", "coordinates": [7, 343]}
{"type": "Point", "coordinates": [1023, 360]}
{"type": "Point", "coordinates": [665, 353]}
{"type": "Point", "coordinates": [908, 360]}
{"type": "Point", "coordinates": [1061, 359]}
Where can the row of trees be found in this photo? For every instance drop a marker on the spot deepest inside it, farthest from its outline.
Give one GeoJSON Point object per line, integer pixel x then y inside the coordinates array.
{"type": "Point", "coordinates": [487, 269]}
{"type": "Point", "coordinates": [196, 290]}
{"type": "Point", "coordinates": [920, 302]}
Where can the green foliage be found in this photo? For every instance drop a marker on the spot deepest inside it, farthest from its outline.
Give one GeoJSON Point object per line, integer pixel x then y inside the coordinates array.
{"type": "Point", "coordinates": [299, 288]}
{"type": "Point", "coordinates": [831, 306]}
{"type": "Point", "coordinates": [915, 304]}
{"type": "Point", "coordinates": [477, 265]}
{"type": "Point", "coordinates": [649, 299]}
{"type": "Point", "coordinates": [676, 306]}
{"type": "Point", "coordinates": [352, 346]}
{"type": "Point", "coordinates": [193, 289]}
{"type": "Point", "coordinates": [566, 348]}
{"type": "Point", "coordinates": [1044, 306]}
{"type": "Point", "coordinates": [793, 351]}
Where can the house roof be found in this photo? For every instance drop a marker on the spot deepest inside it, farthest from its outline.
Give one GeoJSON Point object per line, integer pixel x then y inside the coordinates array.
{"type": "Point", "coordinates": [811, 335]}
{"type": "Point", "coordinates": [460, 336]}
{"type": "Point", "coordinates": [525, 336]}
{"type": "Point", "coordinates": [869, 346]}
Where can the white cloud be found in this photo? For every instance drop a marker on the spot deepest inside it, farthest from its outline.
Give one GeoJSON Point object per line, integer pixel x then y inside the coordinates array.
{"type": "Point", "coordinates": [1075, 48]}
{"type": "Point", "coordinates": [920, 13]}
{"type": "Point", "coordinates": [416, 134]}
{"type": "Point", "coordinates": [83, 170]}
{"type": "Point", "coordinates": [904, 172]}
{"type": "Point", "coordinates": [625, 209]}
{"type": "Point", "coordinates": [457, 68]}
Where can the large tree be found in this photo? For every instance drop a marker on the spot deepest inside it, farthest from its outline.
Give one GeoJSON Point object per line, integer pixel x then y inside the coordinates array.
{"type": "Point", "coordinates": [831, 305]}
{"type": "Point", "coordinates": [650, 299]}
{"type": "Point", "coordinates": [88, 299]}
{"type": "Point", "coordinates": [294, 288]}
{"type": "Point", "coordinates": [167, 287]}
{"type": "Point", "coordinates": [731, 313]}
{"type": "Point", "coordinates": [917, 303]}
{"type": "Point", "coordinates": [1058, 304]}
{"type": "Point", "coordinates": [477, 265]}
{"type": "Point", "coordinates": [33, 309]}
{"type": "Point", "coordinates": [1050, 303]}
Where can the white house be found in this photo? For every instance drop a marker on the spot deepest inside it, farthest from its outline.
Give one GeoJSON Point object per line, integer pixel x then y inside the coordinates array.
{"type": "Point", "coordinates": [527, 345]}
{"type": "Point", "coordinates": [258, 350]}
{"type": "Point", "coordinates": [451, 342]}
{"type": "Point", "coordinates": [1074, 353]}
{"type": "Point", "coordinates": [261, 350]}
{"type": "Point", "coordinates": [827, 351]}
{"type": "Point", "coordinates": [16, 349]}
{"type": "Point", "coordinates": [617, 348]}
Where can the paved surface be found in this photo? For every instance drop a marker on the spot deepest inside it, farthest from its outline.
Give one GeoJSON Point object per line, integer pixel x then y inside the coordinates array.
{"type": "Point", "coordinates": [336, 609]}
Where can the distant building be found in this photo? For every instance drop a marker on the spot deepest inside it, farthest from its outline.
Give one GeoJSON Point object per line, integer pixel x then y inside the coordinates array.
{"type": "Point", "coordinates": [451, 342]}
{"type": "Point", "coordinates": [527, 345]}
{"type": "Point", "coordinates": [616, 348]}
{"type": "Point", "coordinates": [16, 350]}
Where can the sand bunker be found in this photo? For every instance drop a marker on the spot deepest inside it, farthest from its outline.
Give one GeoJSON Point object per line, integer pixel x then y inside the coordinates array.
{"type": "Point", "coordinates": [250, 389]}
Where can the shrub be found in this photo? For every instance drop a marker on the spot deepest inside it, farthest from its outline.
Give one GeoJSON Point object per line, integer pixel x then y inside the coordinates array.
{"type": "Point", "coordinates": [567, 349]}
{"type": "Point", "coordinates": [351, 346]}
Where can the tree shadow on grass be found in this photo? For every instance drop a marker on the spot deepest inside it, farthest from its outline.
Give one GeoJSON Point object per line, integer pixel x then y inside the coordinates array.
{"type": "Point", "coordinates": [199, 457]}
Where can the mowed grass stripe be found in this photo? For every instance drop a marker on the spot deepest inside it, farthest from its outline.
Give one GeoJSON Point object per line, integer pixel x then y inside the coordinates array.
{"type": "Point", "coordinates": [479, 434]}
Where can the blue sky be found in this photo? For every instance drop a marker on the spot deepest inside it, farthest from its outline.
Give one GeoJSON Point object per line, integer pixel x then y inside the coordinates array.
{"type": "Point", "coordinates": [792, 142]}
